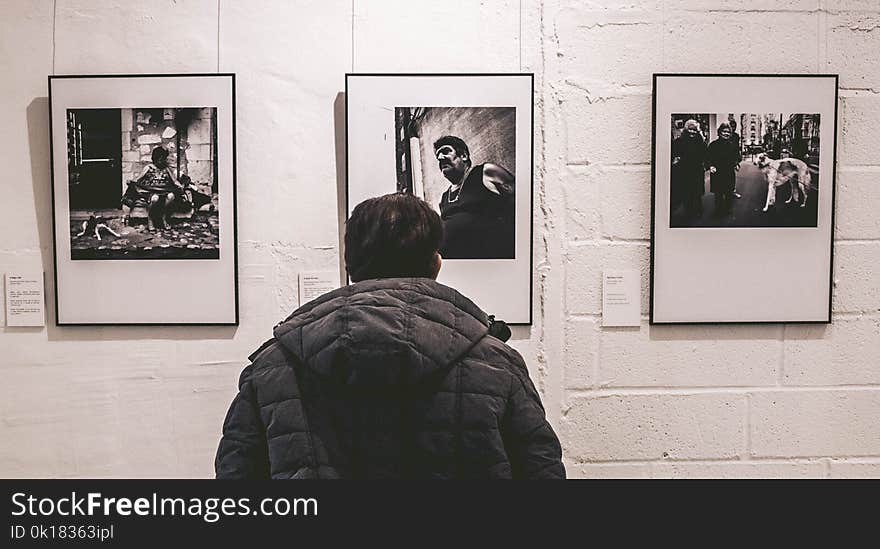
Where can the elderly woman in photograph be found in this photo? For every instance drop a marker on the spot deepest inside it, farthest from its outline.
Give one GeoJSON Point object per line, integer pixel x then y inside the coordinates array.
{"type": "Point", "coordinates": [689, 168]}
{"type": "Point", "coordinates": [156, 188]}
{"type": "Point", "coordinates": [722, 157]}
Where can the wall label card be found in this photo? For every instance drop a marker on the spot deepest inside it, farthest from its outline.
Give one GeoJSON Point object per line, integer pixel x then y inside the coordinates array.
{"type": "Point", "coordinates": [25, 300]}
{"type": "Point", "coordinates": [316, 283]}
{"type": "Point", "coordinates": [621, 298]}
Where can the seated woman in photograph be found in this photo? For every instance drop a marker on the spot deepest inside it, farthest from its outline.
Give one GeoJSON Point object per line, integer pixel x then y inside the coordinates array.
{"type": "Point", "coordinates": [156, 189]}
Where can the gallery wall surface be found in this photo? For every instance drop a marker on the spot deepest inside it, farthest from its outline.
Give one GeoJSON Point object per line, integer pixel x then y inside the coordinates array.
{"type": "Point", "coordinates": [654, 401]}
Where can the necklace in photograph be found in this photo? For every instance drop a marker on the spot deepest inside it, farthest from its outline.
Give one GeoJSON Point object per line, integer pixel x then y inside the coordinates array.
{"type": "Point", "coordinates": [458, 189]}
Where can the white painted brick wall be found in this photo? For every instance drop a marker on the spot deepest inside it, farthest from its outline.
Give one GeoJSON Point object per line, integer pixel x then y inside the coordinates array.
{"type": "Point", "coordinates": [810, 469]}
{"type": "Point", "coordinates": [859, 122]}
{"type": "Point", "coordinates": [581, 346]}
{"type": "Point", "coordinates": [854, 469]}
{"type": "Point", "coordinates": [681, 356]}
{"type": "Point", "coordinates": [108, 36]}
{"type": "Point", "coordinates": [845, 353]}
{"type": "Point", "coordinates": [848, 32]}
{"type": "Point", "coordinates": [855, 277]}
{"type": "Point", "coordinates": [611, 202]}
{"type": "Point", "coordinates": [857, 195]}
{"type": "Point", "coordinates": [811, 423]}
{"type": "Point", "coordinates": [635, 37]}
{"type": "Point", "coordinates": [747, 41]}
{"type": "Point", "coordinates": [647, 402]}
{"type": "Point", "coordinates": [637, 426]}
{"type": "Point", "coordinates": [581, 197]}
{"type": "Point", "coordinates": [743, 469]}
{"type": "Point", "coordinates": [605, 129]}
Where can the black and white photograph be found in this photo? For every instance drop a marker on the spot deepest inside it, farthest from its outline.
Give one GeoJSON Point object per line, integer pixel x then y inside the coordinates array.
{"type": "Point", "coordinates": [742, 227]}
{"type": "Point", "coordinates": [143, 183]}
{"type": "Point", "coordinates": [143, 199]}
{"type": "Point", "coordinates": [744, 169]}
{"type": "Point", "coordinates": [464, 144]}
{"type": "Point", "coordinates": [461, 161]}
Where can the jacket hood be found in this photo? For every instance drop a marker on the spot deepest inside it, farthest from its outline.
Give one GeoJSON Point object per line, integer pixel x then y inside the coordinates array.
{"type": "Point", "coordinates": [385, 332]}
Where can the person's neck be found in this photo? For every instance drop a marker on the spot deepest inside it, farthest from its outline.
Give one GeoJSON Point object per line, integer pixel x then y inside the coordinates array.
{"type": "Point", "coordinates": [461, 179]}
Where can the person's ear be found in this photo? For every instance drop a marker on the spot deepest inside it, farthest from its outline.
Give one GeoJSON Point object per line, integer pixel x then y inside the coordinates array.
{"type": "Point", "coordinates": [436, 263]}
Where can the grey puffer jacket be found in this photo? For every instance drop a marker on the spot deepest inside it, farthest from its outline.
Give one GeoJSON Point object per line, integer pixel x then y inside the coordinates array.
{"type": "Point", "coordinates": [390, 378]}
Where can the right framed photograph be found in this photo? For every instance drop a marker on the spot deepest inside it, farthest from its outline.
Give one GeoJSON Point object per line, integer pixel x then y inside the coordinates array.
{"type": "Point", "coordinates": [742, 213]}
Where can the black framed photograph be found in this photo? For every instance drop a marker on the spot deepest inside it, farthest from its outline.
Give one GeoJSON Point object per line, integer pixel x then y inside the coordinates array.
{"type": "Point", "coordinates": [463, 143]}
{"type": "Point", "coordinates": [742, 198]}
{"type": "Point", "coordinates": [143, 189]}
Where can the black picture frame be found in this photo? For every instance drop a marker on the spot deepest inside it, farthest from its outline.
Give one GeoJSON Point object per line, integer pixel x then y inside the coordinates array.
{"type": "Point", "coordinates": [524, 315]}
{"type": "Point", "coordinates": [213, 93]}
{"type": "Point", "coordinates": [818, 231]}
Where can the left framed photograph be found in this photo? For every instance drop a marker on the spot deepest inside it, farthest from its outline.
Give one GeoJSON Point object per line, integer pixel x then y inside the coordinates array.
{"type": "Point", "coordinates": [143, 197]}
{"type": "Point", "coordinates": [463, 143]}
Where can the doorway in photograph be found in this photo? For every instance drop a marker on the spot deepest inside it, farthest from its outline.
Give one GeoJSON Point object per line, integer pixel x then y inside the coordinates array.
{"type": "Point", "coordinates": [94, 151]}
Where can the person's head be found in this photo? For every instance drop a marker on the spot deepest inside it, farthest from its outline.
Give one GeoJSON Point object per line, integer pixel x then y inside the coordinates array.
{"type": "Point", "coordinates": [160, 157]}
{"type": "Point", "coordinates": [724, 131]}
{"type": "Point", "coordinates": [453, 157]}
{"type": "Point", "coordinates": [391, 236]}
{"type": "Point", "coordinates": [732, 125]}
{"type": "Point", "coordinates": [691, 128]}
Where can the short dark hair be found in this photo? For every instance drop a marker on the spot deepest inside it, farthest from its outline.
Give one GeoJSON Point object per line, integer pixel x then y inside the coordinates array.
{"type": "Point", "coordinates": [455, 142]}
{"type": "Point", "coordinates": [159, 152]}
{"type": "Point", "coordinates": [391, 236]}
{"type": "Point", "coordinates": [723, 126]}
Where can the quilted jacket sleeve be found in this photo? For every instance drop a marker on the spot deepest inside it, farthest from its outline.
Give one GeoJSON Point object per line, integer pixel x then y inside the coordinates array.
{"type": "Point", "coordinates": [243, 451]}
{"type": "Point", "coordinates": [532, 446]}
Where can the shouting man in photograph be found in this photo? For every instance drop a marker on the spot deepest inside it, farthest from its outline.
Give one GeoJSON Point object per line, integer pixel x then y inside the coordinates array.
{"type": "Point", "coordinates": [478, 207]}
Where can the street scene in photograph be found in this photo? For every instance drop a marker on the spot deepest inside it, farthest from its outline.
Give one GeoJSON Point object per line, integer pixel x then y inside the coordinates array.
{"type": "Point", "coordinates": [744, 170]}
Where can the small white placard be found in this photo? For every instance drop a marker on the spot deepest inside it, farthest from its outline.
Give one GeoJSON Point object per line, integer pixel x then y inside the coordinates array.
{"type": "Point", "coordinates": [621, 298]}
{"type": "Point", "coordinates": [315, 283]}
{"type": "Point", "coordinates": [25, 299]}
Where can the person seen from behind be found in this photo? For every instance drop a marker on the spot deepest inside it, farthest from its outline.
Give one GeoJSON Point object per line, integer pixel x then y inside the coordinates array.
{"type": "Point", "coordinates": [393, 376]}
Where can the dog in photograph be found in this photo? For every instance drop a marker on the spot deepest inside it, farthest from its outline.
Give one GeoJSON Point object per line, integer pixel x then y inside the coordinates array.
{"type": "Point", "coordinates": [791, 171]}
{"type": "Point", "coordinates": [94, 226]}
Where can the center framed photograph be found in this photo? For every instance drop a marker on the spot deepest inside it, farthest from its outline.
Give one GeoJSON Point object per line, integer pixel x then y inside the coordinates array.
{"type": "Point", "coordinates": [743, 198]}
{"type": "Point", "coordinates": [464, 144]}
